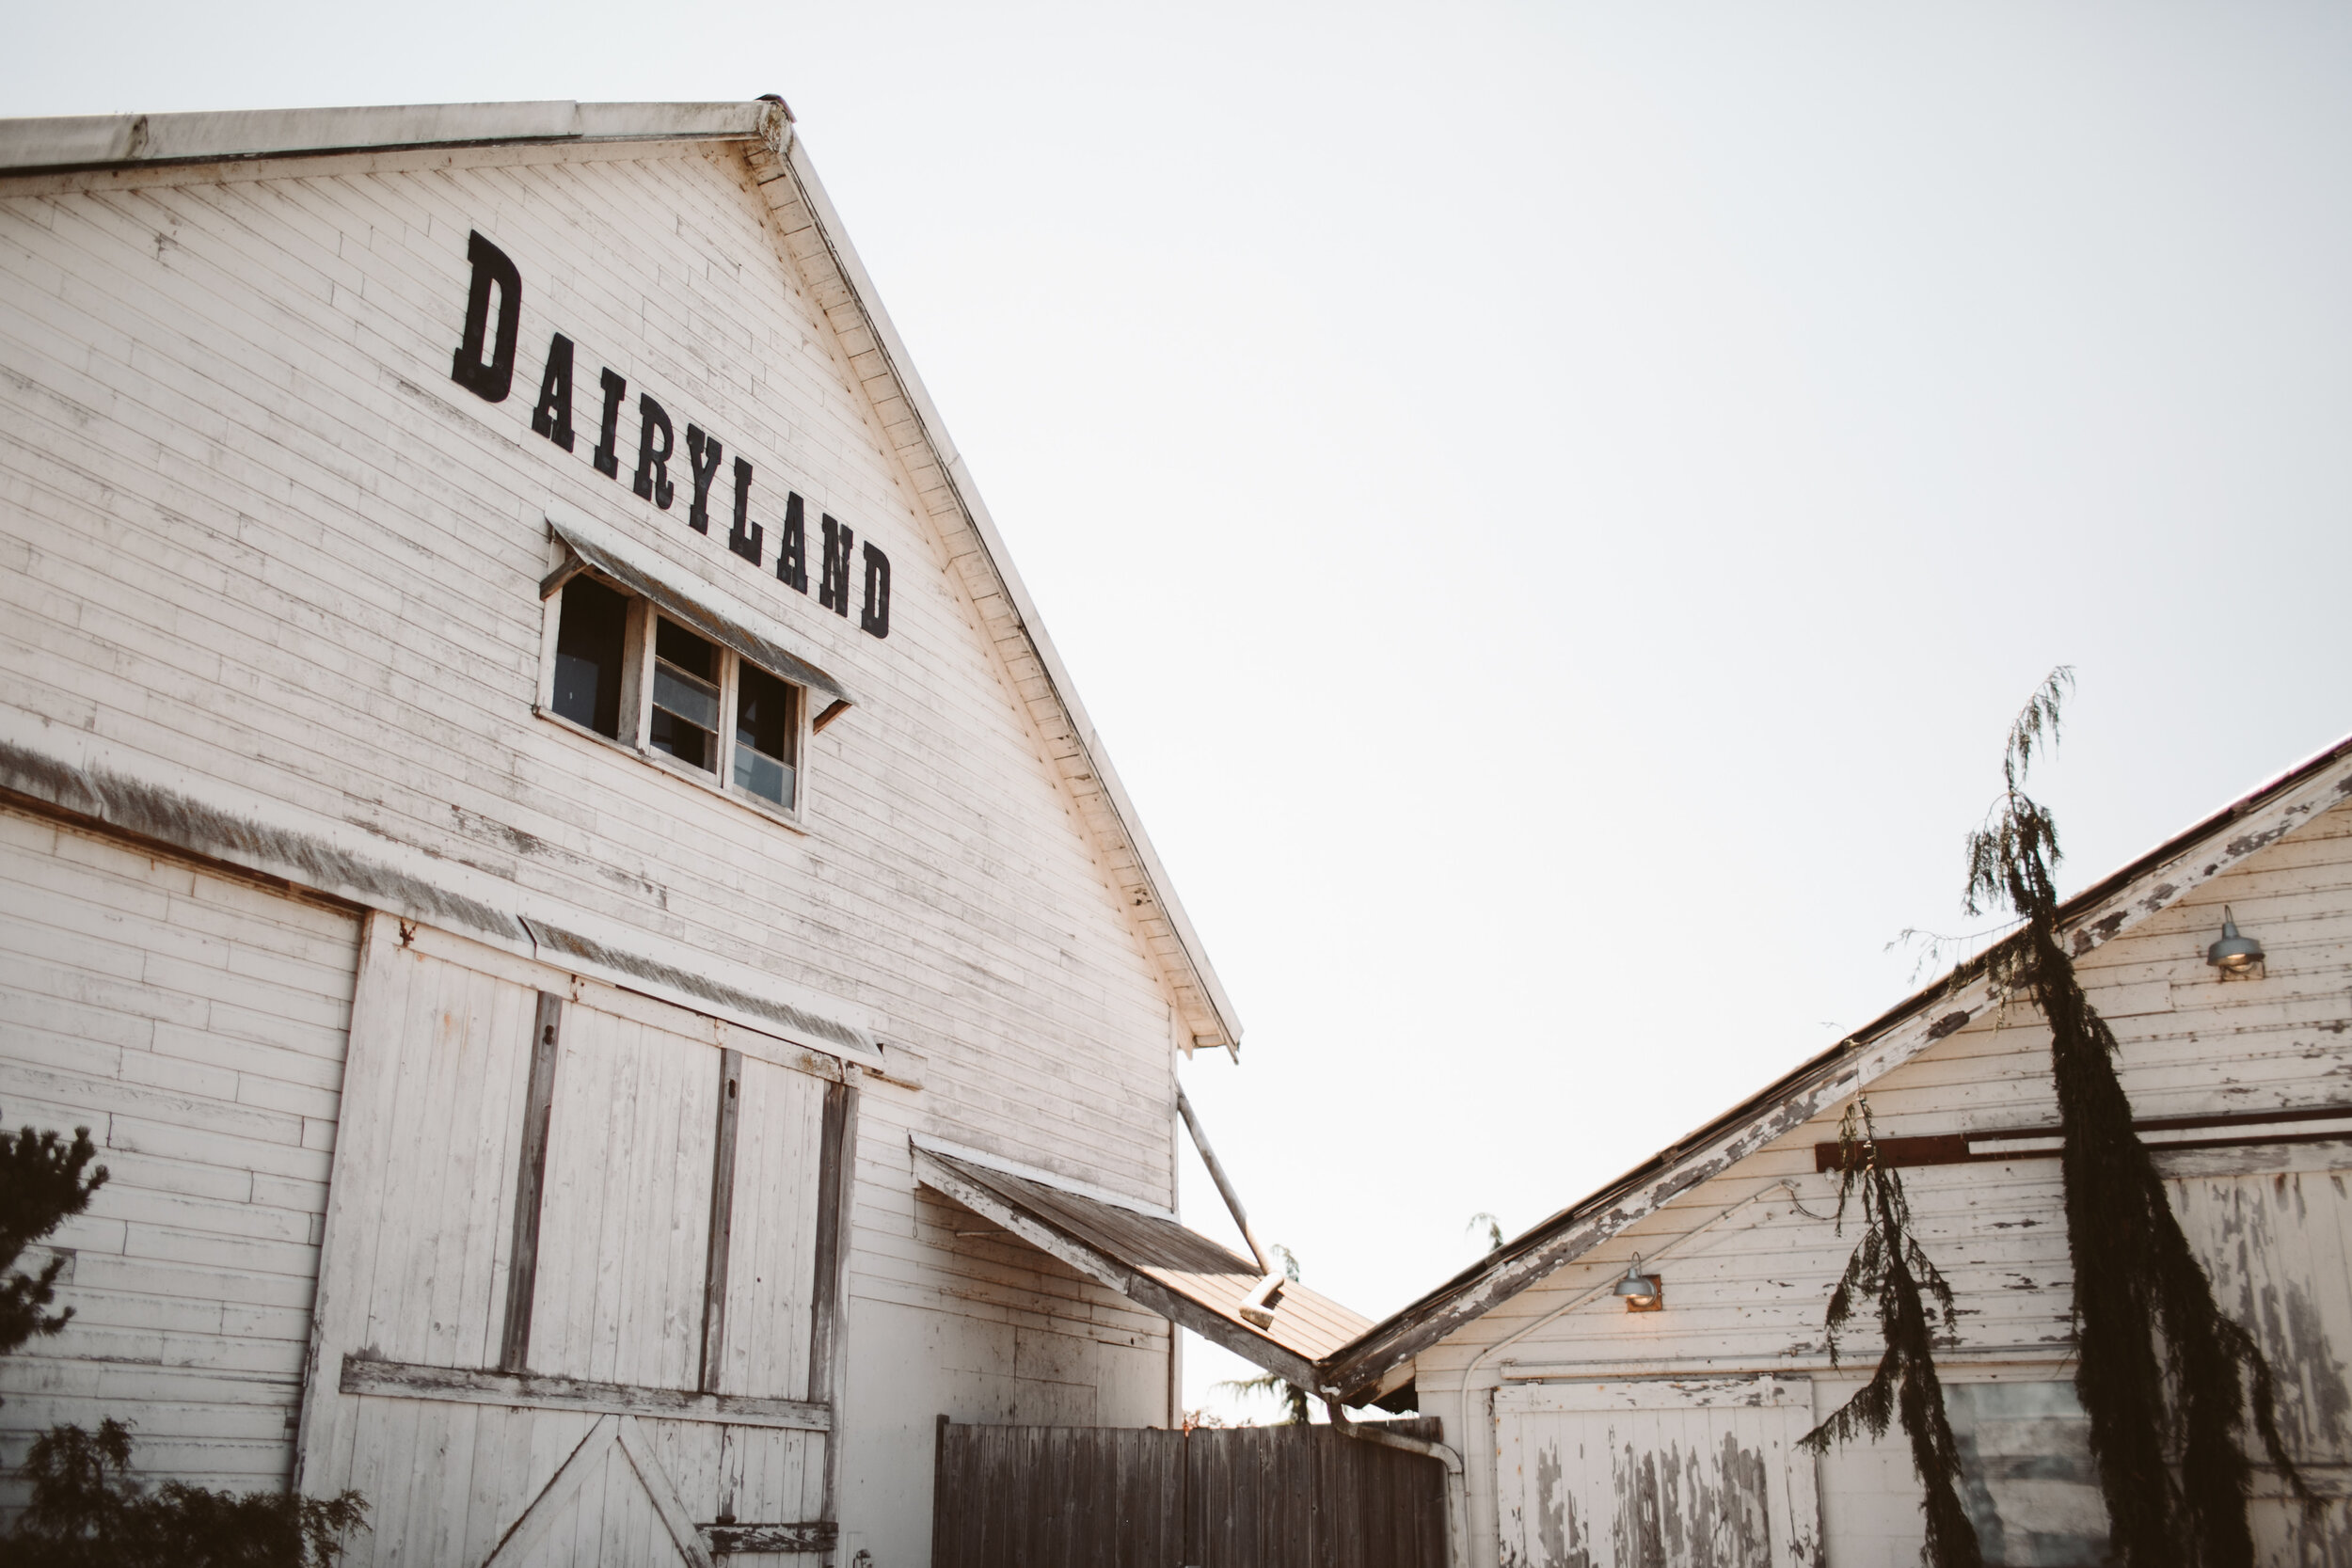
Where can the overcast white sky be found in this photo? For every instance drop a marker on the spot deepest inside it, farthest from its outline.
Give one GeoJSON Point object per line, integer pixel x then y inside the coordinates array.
{"type": "Point", "coordinates": [1551, 507]}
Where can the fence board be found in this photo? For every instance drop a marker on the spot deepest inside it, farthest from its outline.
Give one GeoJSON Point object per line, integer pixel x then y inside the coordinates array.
{"type": "Point", "coordinates": [1016, 1497]}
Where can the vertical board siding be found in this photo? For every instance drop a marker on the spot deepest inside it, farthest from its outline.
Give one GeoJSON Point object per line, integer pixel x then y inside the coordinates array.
{"type": "Point", "coordinates": [1032, 1496]}
{"type": "Point", "coordinates": [627, 1206]}
{"type": "Point", "coordinates": [1635, 1475]}
{"type": "Point", "coordinates": [196, 1025]}
{"type": "Point", "coordinates": [420, 1237]}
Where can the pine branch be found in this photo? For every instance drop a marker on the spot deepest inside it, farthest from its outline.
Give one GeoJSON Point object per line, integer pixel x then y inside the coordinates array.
{"type": "Point", "coordinates": [1890, 1268]}
{"type": "Point", "coordinates": [2158, 1365]}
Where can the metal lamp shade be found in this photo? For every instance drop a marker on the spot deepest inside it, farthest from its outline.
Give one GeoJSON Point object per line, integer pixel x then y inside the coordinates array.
{"type": "Point", "coordinates": [2233, 952]}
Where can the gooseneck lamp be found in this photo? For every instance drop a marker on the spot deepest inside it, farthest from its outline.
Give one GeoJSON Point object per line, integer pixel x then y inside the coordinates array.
{"type": "Point", "coordinates": [2234, 953]}
{"type": "Point", "coordinates": [1642, 1293]}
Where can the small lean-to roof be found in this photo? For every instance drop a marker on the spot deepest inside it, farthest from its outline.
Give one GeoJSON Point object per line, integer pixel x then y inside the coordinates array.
{"type": "Point", "coordinates": [2092, 918]}
{"type": "Point", "coordinates": [1148, 1256]}
{"type": "Point", "coordinates": [816, 244]}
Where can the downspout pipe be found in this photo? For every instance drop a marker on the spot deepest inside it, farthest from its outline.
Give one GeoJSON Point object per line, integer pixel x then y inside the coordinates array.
{"type": "Point", "coordinates": [1457, 1488]}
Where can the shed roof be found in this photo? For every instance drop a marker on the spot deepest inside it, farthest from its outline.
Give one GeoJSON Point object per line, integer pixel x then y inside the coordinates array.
{"type": "Point", "coordinates": [1148, 1256]}
{"type": "Point", "coordinates": [813, 236]}
{"type": "Point", "coordinates": [2094, 918]}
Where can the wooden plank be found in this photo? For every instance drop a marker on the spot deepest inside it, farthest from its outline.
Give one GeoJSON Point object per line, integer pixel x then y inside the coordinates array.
{"type": "Point", "coordinates": [522, 1276]}
{"type": "Point", "coordinates": [828, 1359]}
{"type": "Point", "coordinates": [663, 1491]}
{"type": "Point", "coordinates": [721, 1222]}
{"type": "Point", "coordinates": [807, 1535]}
{"type": "Point", "coordinates": [538, 1391]}
{"type": "Point", "coordinates": [547, 1508]}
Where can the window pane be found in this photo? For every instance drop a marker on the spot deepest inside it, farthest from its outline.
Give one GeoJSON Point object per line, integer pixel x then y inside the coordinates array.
{"type": "Point", "coordinates": [765, 728]}
{"type": "Point", "coordinates": [689, 744]}
{"type": "Point", "coordinates": [690, 699]}
{"type": "Point", "coordinates": [686, 651]}
{"type": "Point", "coordinates": [763, 775]}
{"type": "Point", "coordinates": [591, 628]}
{"type": "Point", "coordinates": [763, 714]}
{"type": "Point", "coordinates": [684, 697]}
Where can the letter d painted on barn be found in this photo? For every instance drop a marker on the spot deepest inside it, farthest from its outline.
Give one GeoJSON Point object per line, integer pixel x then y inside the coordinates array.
{"type": "Point", "coordinates": [489, 379]}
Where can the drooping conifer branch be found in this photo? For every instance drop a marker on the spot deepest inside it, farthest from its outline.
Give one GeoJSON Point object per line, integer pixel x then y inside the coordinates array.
{"type": "Point", "coordinates": [2159, 1368]}
{"type": "Point", "coordinates": [1889, 1268]}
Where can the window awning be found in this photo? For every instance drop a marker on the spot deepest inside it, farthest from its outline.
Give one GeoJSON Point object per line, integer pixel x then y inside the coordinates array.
{"type": "Point", "coordinates": [1148, 1257]}
{"type": "Point", "coordinates": [694, 605]}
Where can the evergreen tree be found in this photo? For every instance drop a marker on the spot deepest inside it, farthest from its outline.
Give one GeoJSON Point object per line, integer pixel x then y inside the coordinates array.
{"type": "Point", "coordinates": [1889, 1267]}
{"type": "Point", "coordinates": [2158, 1367]}
{"type": "Point", "coordinates": [42, 1186]}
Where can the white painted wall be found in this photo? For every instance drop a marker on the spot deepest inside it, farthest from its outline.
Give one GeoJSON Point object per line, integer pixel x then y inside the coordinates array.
{"type": "Point", "coordinates": [195, 1023]}
{"type": "Point", "coordinates": [1748, 1274]}
{"type": "Point", "coordinates": [255, 544]}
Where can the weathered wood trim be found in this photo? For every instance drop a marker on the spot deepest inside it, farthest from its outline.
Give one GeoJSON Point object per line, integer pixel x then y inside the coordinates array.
{"type": "Point", "coordinates": [1769, 1391]}
{"type": "Point", "coordinates": [2234, 1129]}
{"type": "Point", "coordinates": [721, 1222]}
{"type": "Point", "coordinates": [2147, 887]}
{"type": "Point", "coordinates": [530, 1177]}
{"type": "Point", "coordinates": [828, 1344]}
{"type": "Point", "coordinates": [806, 1535]}
{"type": "Point", "coordinates": [1108, 1271]}
{"type": "Point", "coordinates": [952, 504]}
{"type": "Point", "coordinates": [562, 1487]}
{"type": "Point", "coordinates": [534, 1391]}
{"type": "Point", "coordinates": [663, 1493]}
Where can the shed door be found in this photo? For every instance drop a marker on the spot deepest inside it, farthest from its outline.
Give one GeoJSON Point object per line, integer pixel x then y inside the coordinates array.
{"type": "Point", "coordinates": [573, 1303]}
{"type": "Point", "coordinates": [1657, 1475]}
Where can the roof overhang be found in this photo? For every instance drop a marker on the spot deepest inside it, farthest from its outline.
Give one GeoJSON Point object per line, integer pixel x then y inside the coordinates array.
{"type": "Point", "coordinates": [1146, 1255]}
{"type": "Point", "coordinates": [693, 603]}
{"type": "Point", "coordinates": [2116, 904]}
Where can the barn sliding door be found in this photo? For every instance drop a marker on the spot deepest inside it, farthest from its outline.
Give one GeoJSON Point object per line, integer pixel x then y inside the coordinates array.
{"type": "Point", "coordinates": [579, 1285]}
{"type": "Point", "coordinates": [1658, 1475]}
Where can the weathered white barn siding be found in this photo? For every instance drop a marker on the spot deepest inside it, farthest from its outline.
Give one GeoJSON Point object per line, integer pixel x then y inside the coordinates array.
{"type": "Point", "coordinates": [1748, 1272]}
{"type": "Point", "coordinates": [195, 1023]}
{"type": "Point", "coordinates": [259, 549]}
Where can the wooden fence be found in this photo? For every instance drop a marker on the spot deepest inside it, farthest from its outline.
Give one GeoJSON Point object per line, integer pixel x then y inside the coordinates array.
{"type": "Point", "coordinates": [1288, 1497]}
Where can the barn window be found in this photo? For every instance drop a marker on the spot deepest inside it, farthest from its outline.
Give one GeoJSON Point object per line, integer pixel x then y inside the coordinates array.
{"type": "Point", "coordinates": [686, 696]}
{"type": "Point", "coordinates": [589, 648]}
{"type": "Point", "coordinates": [766, 728]}
{"type": "Point", "coordinates": [621, 666]}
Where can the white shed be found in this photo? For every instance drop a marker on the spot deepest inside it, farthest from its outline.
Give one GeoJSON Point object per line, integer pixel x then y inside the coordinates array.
{"type": "Point", "coordinates": [1600, 1436]}
{"type": "Point", "coordinates": [528, 780]}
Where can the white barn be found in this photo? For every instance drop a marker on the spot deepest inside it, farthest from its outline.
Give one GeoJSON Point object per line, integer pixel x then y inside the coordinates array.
{"type": "Point", "coordinates": [529, 788]}
{"type": "Point", "coordinates": [1596, 1435]}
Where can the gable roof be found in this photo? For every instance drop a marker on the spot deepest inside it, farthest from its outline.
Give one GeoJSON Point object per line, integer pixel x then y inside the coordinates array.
{"type": "Point", "coordinates": [2094, 918]}
{"type": "Point", "coordinates": [815, 242]}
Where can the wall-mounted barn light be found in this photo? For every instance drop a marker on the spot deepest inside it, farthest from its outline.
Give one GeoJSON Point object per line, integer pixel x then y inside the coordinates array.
{"type": "Point", "coordinates": [2233, 955]}
{"type": "Point", "coordinates": [1642, 1293]}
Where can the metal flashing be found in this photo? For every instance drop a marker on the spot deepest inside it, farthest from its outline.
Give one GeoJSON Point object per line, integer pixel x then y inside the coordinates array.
{"type": "Point", "coordinates": [697, 605]}
{"type": "Point", "coordinates": [53, 143]}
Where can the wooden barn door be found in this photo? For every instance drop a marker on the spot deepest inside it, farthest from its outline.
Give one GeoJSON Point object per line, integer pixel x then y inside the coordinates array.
{"type": "Point", "coordinates": [579, 1293]}
{"type": "Point", "coordinates": [1658, 1475]}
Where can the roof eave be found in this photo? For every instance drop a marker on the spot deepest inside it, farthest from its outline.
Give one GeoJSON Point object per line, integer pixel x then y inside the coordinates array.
{"type": "Point", "coordinates": [71, 142]}
{"type": "Point", "coordinates": [2094, 916]}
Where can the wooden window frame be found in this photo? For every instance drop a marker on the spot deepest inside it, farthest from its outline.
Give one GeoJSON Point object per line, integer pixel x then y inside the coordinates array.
{"type": "Point", "coordinates": [637, 659]}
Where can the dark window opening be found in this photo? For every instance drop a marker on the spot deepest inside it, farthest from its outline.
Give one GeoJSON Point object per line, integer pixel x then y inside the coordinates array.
{"type": "Point", "coordinates": [589, 635]}
{"type": "Point", "coordinates": [686, 697]}
{"type": "Point", "coordinates": [765, 727]}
